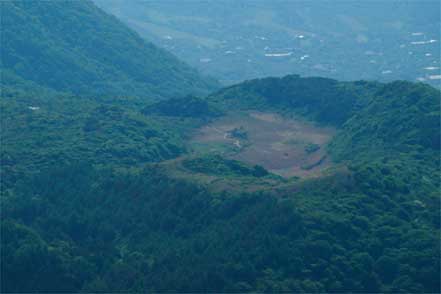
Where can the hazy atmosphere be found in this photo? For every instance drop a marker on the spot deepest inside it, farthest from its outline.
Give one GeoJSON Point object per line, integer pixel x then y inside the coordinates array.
{"type": "Point", "coordinates": [239, 40]}
{"type": "Point", "coordinates": [220, 146]}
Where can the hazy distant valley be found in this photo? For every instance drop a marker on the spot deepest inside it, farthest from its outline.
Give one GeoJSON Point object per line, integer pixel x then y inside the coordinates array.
{"type": "Point", "coordinates": [235, 41]}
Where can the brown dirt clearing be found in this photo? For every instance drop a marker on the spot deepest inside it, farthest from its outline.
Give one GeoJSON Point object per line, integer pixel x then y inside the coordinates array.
{"type": "Point", "coordinates": [285, 146]}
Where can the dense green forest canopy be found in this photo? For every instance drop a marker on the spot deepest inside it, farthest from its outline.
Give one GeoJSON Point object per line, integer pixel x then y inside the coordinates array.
{"type": "Point", "coordinates": [324, 100]}
{"type": "Point", "coordinates": [188, 106]}
{"type": "Point", "coordinates": [122, 222]}
{"type": "Point", "coordinates": [72, 46]}
{"type": "Point", "coordinates": [100, 192]}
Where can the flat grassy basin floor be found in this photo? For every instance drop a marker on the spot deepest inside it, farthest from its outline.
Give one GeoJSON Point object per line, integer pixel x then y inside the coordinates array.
{"type": "Point", "coordinates": [287, 147]}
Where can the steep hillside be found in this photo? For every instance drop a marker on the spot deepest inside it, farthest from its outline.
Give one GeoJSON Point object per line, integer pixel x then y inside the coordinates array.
{"type": "Point", "coordinates": [73, 46]}
{"type": "Point", "coordinates": [401, 118]}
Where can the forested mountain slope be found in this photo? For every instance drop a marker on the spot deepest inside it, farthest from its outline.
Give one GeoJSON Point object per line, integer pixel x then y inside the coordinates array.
{"type": "Point", "coordinates": [73, 46]}
{"type": "Point", "coordinates": [43, 128]}
{"type": "Point", "coordinates": [120, 223]}
{"type": "Point", "coordinates": [401, 118]}
{"type": "Point", "coordinates": [102, 192]}
{"type": "Point", "coordinates": [324, 100]}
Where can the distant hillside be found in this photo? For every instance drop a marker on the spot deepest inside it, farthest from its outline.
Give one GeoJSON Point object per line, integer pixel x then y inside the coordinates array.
{"type": "Point", "coordinates": [73, 46]}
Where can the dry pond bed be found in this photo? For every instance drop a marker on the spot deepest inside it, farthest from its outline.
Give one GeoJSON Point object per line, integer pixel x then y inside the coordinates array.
{"type": "Point", "coordinates": [285, 146]}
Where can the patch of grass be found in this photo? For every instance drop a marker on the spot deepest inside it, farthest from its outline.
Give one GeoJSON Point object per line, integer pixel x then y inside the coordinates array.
{"type": "Point", "coordinates": [294, 141]}
{"type": "Point", "coordinates": [217, 165]}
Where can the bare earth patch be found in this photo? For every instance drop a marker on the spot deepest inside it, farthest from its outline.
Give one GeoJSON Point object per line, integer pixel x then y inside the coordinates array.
{"type": "Point", "coordinates": [287, 147]}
